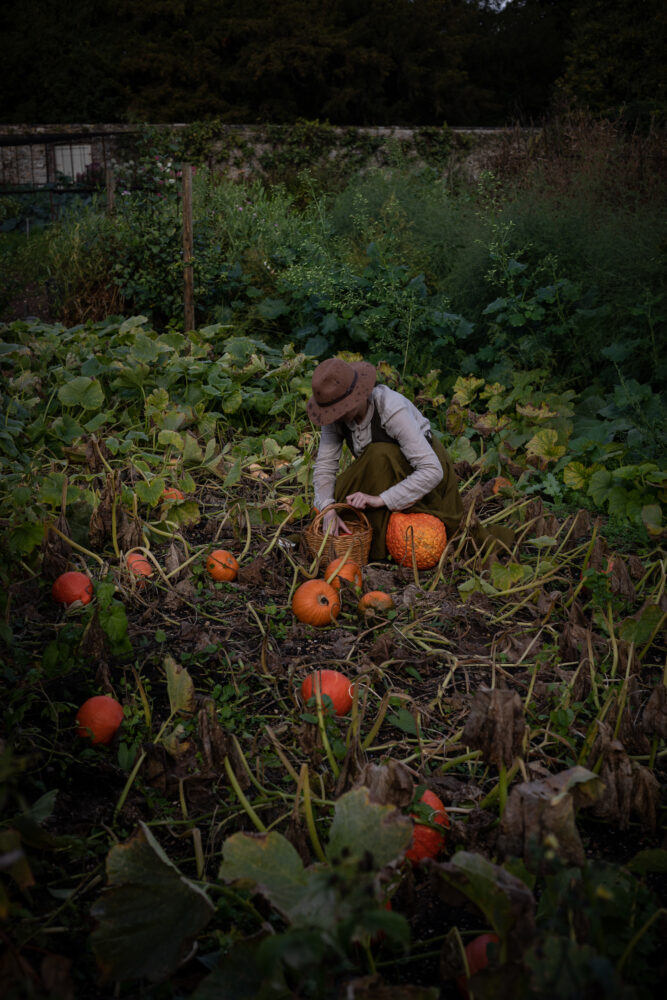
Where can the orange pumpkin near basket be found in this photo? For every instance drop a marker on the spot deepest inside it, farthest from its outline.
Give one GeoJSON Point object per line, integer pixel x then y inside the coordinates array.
{"type": "Point", "coordinates": [423, 532]}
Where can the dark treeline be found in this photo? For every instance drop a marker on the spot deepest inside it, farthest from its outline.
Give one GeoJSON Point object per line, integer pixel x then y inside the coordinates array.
{"type": "Point", "coordinates": [411, 62]}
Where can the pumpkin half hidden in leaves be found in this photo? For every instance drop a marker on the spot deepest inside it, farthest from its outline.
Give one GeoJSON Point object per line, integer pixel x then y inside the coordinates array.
{"type": "Point", "coordinates": [347, 570]}
{"type": "Point", "coordinates": [331, 683]}
{"type": "Point", "coordinates": [98, 718]}
{"type": "Point", "coordinates": [140, 567]}
{"type": "Point", "coordinates": [71, 587]}
{"type": "Point", "coordinates": [427, 842]}
{"type": "Point", "coordinates": [315, 602]}
{"type": "Point", "coordinates": [426, 533]}
{"type": "Point", "coordinates": [477, 957]}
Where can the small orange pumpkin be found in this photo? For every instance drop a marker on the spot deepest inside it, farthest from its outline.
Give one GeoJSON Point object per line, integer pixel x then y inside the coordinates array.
{"type": "Point", "coordinates": [222, 565]}
{"type": "Point", "coordinates": [343, 571]}
{"type": "Point", "coordinates": [331, 683]}
{"type": "Point", "coordinates": [500, 483]}
{"type": "Point", "coordinates": [315, 602]}
{"type": "Point", "coordinates": [71, 587]}
{"type": "Point", "coordinates": [426, 532]}
{"type": "Point", "coordinates": [139, 566]}
{"type": "Point", "coordinates": [426, 841]}
{"type": "Point", "coordinates": [98, 718]}
{"type": "Point", "coordinates": [375, 600]}
{"type": "Point", "coordinates": [172, 493]}
{"type": "Point", "coordinates": [477, 957]}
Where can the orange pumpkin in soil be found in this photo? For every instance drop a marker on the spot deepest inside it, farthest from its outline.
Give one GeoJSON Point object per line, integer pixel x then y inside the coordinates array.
{"type": "Point", "coordinates": [375, 600]}
{"type": "Point", "coordinates": [500, 483]}
{"type": "Point", "coordinates": [427, 842]}
{"type": "Point", "coordinates": [477, 957]}
{"type": "Point", "coordinates": [71, 587]}
{"type": "Point", "coordinates": [139, 566]}
{"type": "Point", "coordinates": [426, 532]}
{"type": "Point", "coordinates": [344, 571]}
{"type": "Point", "coordinates": [222, 565]}
{"type": "Point", "coordinates": [99, 718]}
{"type": "Point", "coordinates": [331, 683]}
{"type": "Point", "coordinates": [316, 602]}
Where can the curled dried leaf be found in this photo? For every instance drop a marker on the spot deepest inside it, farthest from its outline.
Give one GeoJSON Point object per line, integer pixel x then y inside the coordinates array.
{"type": "Point", "coordinates": [537, 810]}
{"type": "Point", "coordinates": [496, 726]}
{"type": "Point", "coordinates": [388, 784]}
{"type": "Point", "coordinates": [654, 716]}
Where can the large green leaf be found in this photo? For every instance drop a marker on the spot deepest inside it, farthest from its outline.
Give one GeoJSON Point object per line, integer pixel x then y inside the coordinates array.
{"type": "Point", "coordinates": [82, 391]}
{"type": "Point", "coordinates": [270, 863]}
{"type": "Point", "coordinates": [148, 915]}
{"type": "Point", "coordinates": [362, 828]}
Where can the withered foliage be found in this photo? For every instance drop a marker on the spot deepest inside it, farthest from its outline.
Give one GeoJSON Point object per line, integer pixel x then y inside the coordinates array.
{"type": "Point", "coordinates": [541, 810]}
{"type": "Point", "coordinates": [654, 716]}
{"type": "Point", "coordinates": [630, 788]}
{"type": "Point", "coordinates": [388, 784]}
{"type": "Point", "coordinates": [496, 726]}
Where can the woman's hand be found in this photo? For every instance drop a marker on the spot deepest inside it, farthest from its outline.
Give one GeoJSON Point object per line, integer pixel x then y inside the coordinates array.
{"type": "Point", "coordinates": [361, 500]}
{"type": "Point", "coordinates": [332, 523]}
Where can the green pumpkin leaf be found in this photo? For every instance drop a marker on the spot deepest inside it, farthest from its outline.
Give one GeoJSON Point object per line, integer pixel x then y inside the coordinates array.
{"type": "Point", "coordinates": [575, 475]}
{"type": "Point", "coordinates": [363, 828]}
{"type": "Point", "coordinates": [82, 391]}
{"type": "Point", "coordinates": [651, 515]}
{"type": "Point", "coordinates": [149, 914]}
{"type": "Point", "coordinates": [180, 687]}
{"type": "Point", "coordinates": [151, 492]}
{"type": "Point", "coordinates": [270, 863]}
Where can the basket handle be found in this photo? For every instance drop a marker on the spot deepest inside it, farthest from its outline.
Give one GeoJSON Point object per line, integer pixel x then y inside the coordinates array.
{"type": "Point", "coordinates": [363, 520]}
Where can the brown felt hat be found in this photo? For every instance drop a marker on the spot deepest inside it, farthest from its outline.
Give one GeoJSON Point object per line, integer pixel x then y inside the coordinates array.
{"type": "Point", "coordinates": [339, 386]}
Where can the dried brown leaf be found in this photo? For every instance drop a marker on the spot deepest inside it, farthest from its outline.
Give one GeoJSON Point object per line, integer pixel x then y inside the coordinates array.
{"type": "Point", "coordinates": [537, 810]}
{"type": "Point", "coordinates": [654, 716]}
{"type": "Point", "coordinates": [495, 726]}
{"type": "Point", "coordinates": [645, 796]}
{"type": "Point", "coordinates": [182, 592]}
{"type": "Point", "coordinates": [388, 784]}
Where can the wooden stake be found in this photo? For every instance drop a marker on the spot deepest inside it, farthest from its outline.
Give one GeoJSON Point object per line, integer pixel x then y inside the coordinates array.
{"type": "Point", "coordinates": [188, 275]}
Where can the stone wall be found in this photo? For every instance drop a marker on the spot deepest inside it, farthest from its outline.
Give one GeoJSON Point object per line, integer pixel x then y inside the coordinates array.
{"type": "Point", "coordinates": [38, 155]}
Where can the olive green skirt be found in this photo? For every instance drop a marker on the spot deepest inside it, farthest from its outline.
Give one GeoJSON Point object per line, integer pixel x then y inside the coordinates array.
{"type": "Point", "coordinates": [381, 466]}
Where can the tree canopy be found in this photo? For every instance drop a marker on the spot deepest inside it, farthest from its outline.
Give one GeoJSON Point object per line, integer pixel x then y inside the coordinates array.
{"type": "Point", "coordinates": [391, 62]}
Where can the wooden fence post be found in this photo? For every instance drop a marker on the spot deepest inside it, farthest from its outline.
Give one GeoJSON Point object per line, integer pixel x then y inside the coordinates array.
{"type": "Point", "coordinates": [111, 189]}
{"type": "Point", "coordinates": [188, 275]}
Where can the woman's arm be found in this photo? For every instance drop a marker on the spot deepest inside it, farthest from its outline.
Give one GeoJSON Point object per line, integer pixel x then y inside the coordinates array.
{"type": "Point", "coordinates": [324, 478]}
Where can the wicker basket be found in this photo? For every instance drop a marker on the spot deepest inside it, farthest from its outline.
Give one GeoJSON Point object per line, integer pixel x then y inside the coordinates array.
{"type": "Point", "coordinates": [358, 543]}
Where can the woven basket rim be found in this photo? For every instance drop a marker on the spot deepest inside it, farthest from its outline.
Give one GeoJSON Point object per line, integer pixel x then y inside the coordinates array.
{"type": "Point", "coordinates": [357, 543]}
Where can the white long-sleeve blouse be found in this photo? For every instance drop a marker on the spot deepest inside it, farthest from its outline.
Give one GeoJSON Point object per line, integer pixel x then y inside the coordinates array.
{"type": "Point", "coordinates": [402, 421]}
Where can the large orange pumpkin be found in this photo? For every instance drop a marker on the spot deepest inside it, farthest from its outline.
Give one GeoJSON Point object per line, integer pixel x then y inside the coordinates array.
{"type": "Point", "coordinates": [72, 586]}
{"type": "Point", "coordinates": [344, 571]}
{"type": "Point", "coordinates": [426, 841]}
{"type": "Point", "coordinates": [426, 532]}
{"type": "Point", "coordinates": [331, 683]}
{"type": "Point", "coordinates": [315, 602]}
